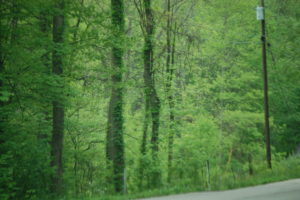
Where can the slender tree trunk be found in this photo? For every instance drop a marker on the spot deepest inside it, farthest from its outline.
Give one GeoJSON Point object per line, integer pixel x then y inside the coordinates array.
{"type": "Point", "coordinates": [150, 90]}
{"type": "Point", "coordinates": [58, 107]}
{"type": "Point", "coordinates": [170, 61]}
{"type": "Point", "coordinates": [144, 141]}
{"type": "Point", "coordinates": [171, 118]}
{"type": "Point", "coordinates": [115, 141]}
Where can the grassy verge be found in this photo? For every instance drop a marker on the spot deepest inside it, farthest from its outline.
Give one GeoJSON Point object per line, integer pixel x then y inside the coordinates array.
{"type": "Point", "coordinates": [284, 170]}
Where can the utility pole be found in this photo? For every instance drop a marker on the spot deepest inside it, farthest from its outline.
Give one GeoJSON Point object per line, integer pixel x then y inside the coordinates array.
{"type": "Point", "coordinates": [261, 17]}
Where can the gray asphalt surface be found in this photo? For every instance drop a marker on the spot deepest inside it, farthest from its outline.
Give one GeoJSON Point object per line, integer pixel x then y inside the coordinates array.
{"type": "Point", "coordinates": [286, 190]}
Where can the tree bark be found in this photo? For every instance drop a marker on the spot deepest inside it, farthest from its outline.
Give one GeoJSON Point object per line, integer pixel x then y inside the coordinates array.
{"type": "Point", "coordinates": [115, 141]}
{"type": "Point", "coordinates": [142, 163]}
{"type": "Point", "coordinates": [150, 91]}
{"type": "Point", "coordinates": [58, 106]}
{"type": "Point", "coordinates": [170, 61]}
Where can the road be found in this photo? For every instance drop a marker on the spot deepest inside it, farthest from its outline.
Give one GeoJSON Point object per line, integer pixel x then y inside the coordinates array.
{"type": "Point", "coordinates": [286, 190]}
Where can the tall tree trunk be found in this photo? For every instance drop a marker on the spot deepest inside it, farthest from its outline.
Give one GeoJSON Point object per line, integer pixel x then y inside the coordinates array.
{"type": "Point", "coordinates": [150, 91]}
{"type": "Point", "coordinates": [170, 61]}
{"type": "Point", "coordinates": [58, 105]}
{"type": "Point", "coordinates": [115, 141]}
{"type": "Point", "coordinates": [142, 163]}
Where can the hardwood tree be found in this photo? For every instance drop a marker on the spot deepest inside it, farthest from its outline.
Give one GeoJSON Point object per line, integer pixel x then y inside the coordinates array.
{"type": "Point", "coordinates": [152, 101]}
{"type": "Point", "coordinates": [58, 104]}
{"type": "Point", "coordinates": [191, 86]}
{"type": "Point", "coordinates": [170, 61]}
{"type": "Point", "coordinates": [115, 141]}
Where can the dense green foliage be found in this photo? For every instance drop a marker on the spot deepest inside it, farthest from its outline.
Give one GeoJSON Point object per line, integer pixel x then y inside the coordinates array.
{"type": "Point", "coordinates": [204, 124]}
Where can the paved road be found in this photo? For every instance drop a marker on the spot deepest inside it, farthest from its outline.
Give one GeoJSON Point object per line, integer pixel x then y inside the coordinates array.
{"type": "Point", "coordinates": [286, 190]}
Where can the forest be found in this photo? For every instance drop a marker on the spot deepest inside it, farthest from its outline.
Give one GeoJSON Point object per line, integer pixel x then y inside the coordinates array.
{"type": "Point", "coordinates": [123, 99]}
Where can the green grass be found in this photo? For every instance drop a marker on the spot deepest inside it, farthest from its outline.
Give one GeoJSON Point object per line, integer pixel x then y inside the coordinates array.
{"type": "Point", "coordinates": [283, 170]}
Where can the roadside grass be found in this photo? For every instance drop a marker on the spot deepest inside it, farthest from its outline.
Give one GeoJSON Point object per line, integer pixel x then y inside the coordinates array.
{"type": "Point", "coordinates": [283, 170]}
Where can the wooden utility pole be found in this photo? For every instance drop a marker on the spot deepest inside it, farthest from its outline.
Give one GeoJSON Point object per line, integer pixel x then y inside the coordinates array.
{"type": "Point", "coordinates": [265, 76]}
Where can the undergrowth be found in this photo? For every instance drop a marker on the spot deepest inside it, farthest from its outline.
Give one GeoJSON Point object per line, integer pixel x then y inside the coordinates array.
{"type": "Point", "coordinates": [283, 170]}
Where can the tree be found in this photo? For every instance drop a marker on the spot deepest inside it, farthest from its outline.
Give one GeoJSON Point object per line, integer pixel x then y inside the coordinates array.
{"type": "Point", "coordinates": [170, 61]}
{"type": "Point", "coordinates": [115, 142]}
{"type": "Point", "coordinates": [58, 104]}
{"type": "Point", "coordinates": [187, 104]}
{"type": "Point", "coordinates": [152, 102]}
